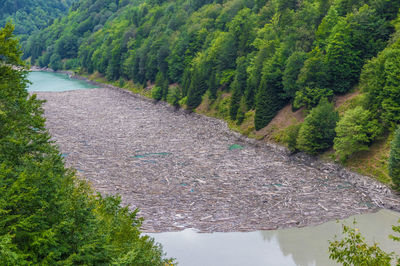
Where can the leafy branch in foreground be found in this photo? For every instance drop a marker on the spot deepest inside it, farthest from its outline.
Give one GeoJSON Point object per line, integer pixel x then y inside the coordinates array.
{"type": "Point", "coordinates": [353, 249]}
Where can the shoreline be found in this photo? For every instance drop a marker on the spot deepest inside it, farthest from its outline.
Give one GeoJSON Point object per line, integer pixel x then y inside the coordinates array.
{"type": "Point", "coordinates": [380, 195]}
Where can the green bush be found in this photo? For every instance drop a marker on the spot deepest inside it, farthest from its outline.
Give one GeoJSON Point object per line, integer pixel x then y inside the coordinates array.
{"type": "Point", "coordinates": [318, 130]}
{"type": "Point", "coordinates": [310, 97]}
{"type": "Point", "coordinates": [355, 131]}
{"type": "Point", "coordinates": [394, 159]}
{"type": "Point", "coordinates": [174, 96]}
{"type": "Point", "coordinates": [290, 136]}
{"type": "Point", "coordinates": [156, 93]}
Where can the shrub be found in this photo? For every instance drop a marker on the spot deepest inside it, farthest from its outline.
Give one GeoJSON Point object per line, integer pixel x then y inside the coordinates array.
{"type": "Point", "coordinates": [318, 130]}
{"type": "Point", "coordinates": [290, 136]}
{"type": "Point", "coordinates": [174, 96]}
{"type": "Point", "coordinates": [157, 93]}
{"type": "Point", "coordinates": [355, 131]}
{"type": "Point", "coordinates": [394, 159]}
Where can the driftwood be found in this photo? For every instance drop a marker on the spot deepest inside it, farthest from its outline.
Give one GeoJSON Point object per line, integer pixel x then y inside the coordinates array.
{"type": "Point", "coordinates": [190, 171]}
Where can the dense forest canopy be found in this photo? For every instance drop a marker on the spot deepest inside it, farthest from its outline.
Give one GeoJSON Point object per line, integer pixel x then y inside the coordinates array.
{"type": "Point", "coordinates": [31, 15]}
{"type": "Point", "coordinates": [47, 216]}
{"type": "Point", "coordinates": [252, 56]}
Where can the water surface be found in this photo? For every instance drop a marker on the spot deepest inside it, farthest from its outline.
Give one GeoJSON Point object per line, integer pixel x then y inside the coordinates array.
{"type": "Point", "coordinates": [48, 81]}
{"type": "Point", "coordinates": [294, 246]}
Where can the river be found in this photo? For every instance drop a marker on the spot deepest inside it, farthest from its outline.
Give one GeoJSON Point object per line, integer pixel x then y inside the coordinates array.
{"type": "Point", "coordinates": [188, 171]}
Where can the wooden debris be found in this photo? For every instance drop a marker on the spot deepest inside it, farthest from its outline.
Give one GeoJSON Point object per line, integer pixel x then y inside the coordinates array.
{"type": "Point", "coordinates": [182, 171]}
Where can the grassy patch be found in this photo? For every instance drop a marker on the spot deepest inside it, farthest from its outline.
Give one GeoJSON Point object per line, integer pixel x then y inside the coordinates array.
{"type": "Point", "coordinates": [374, 162]}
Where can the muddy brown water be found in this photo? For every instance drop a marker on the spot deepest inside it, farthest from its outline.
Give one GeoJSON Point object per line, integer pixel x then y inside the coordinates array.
{"type": "Point", "coordinates": [190, 171]}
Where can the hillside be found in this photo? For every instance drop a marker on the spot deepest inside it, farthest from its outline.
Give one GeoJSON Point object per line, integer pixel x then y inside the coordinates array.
{"type": "Point", "coordinates": [245, 60]}
{"type": "Point", "coordinates": [31, 15]}
{"type": "Point", "coordinates": [48, 216]}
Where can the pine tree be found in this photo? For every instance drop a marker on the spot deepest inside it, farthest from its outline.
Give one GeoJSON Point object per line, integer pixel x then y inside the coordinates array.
{"type": "Point", "coordinates": [213, 86]}
{"type": "Point", "coordinates": [186, 80]}
{"type": "Point", "coordinates": [267, 105]}
{"type": "Point", "coordinates": [165, 87]}
{"type": "Point", "coordinates": [235, 99]}
{"type": "Point", "coordinates": [238, 86]}
{"type": "Point", "coordinates": [394, 159]}
{"type": "Point", "coordinates": [196, 90]}
{"type": "Point", "coordinates": [47, 216]}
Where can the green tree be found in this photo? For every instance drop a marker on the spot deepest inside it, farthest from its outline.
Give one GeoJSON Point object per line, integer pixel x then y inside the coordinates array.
{"type": "Point", "coordinates": [391, 90]}
{"type": "Point", "coordinates": [318, 130]}
{"type": "Point", "coordinates": [380, 82]}
{"type": "Point", "coordinates": [238, 86]}
{"type": "Point", "coordinates": [290, 137]}
{"type": "Point", "coordinates": [292, 70]}
{"type": "Point", "coordinates": [267, 100]}
{"type": "Point", "coordinates": [213, 86]}
{"type": "Point", "coordinates": [314, 73]}
{"type": "Point", "coordinates": [310, 97]}
{"type": "Point", "coordinates": [47, 216]}
{"type": "Point", "coordinates": [354, 132]}
{"type": "Point", "coordinates": [394, 159]}
{"type": "Point", "coordinates": [344, 62]}
{"type": "Point", "coordinates": [174, 96]}
{"type": "Point", "coordinates": [197, 88]}
{"type": "Point", "coordinates": [353, 250]}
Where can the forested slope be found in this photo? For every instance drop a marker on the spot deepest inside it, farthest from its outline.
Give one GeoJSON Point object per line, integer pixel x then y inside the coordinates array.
{"type": "Point", "coordinates": [31, 15]}
{"type": "Point", "coordinates": [250, 57]}
{"type": "Point", "coordinates": [47, 216]}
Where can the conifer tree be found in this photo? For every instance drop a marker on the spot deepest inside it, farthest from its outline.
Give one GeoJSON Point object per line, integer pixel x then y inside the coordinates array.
{"type": "Point", "coordinates": [268, 101]}
{"type": "Point", "coordinates": [213, 86]}
{"type": "Point", "coordinates": [238, 86]}
{"type": "Point", "coordinates": [267, 105]}
{"type": "Point", "coordinates": [197, 88]}
{"type": "Point", "coordinates": [235, 99]}
{"type": "Point", "coordinates": [394, 159]}
{"type": "Point", "coordinates": [47, 216]}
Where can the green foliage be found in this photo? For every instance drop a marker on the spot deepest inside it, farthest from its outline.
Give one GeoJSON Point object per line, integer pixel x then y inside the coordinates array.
{"type": "Point", "coordinates": [394, 159]}
{"type": "Point", "coordinates": [268, 100]}
{"type": "Point", "coordinates": [47, 216]}
{"type": "Point", "coordinates": [196, 90]}
{"type": "Point", "coordinates": [318, 130]}
{"type": "Point", "coordinates": [381, 83]}
{"type": "Point", "coordinates": [290, 136]}
{"type": "Point", "coordinates": [310, 97]}
{"type": "Point", "coordinates": [238, 87]}
{"type": "Point", "coordinates": [31, 15]}
{"type": "Point", "coordinates": [174, 96]}
{"type": "Point", "coordinates": [314, 74]}
{"type": "Point", "coordinates": [355, 131]}
{"type": "Point", "coordinates": [292, 70]}
{"type": "Point", "coordinates": [157, 93]}
{"type": "Point", "coordinates": [267, 105]}
{"type": "Point", "coordinates": [270, 52]}
{"type": "Point", "coordinates": [353, 250]}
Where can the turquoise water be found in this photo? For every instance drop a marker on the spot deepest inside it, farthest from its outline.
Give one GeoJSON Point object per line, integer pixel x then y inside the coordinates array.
{"type": "Point", "coordinates": [48, 81]}
{"type": "Point", "coordinates": [294, 246]}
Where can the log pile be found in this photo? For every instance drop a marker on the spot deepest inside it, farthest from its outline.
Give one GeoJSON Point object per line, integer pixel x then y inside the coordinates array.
{"type": "Point", "coordinates": [190, 171]}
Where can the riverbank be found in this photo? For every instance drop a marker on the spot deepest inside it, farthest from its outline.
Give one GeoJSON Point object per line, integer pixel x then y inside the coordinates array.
{"type": "Point", "coordinates": [190, 171]}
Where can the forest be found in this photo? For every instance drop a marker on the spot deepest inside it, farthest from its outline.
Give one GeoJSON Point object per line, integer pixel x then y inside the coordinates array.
{"type": "Point", "coordinates": [29, 16]}
{"type": "Point", "coordinates": [47, 215]}
{"type": "Point", "coordinates": [245, 59]}
{"type": "Point", "coordinates": [262, 54]}
{"type": "Point", "coordinates": [249, 58]}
